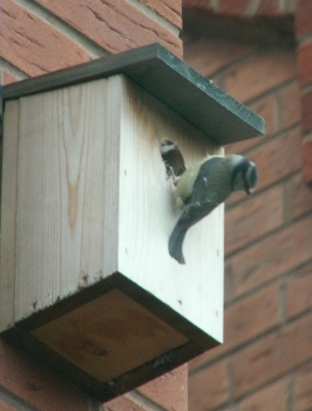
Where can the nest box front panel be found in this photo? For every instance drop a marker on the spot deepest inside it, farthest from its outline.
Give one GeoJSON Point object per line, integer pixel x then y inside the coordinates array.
{"type": "Point", "coordinates": [147, 215]}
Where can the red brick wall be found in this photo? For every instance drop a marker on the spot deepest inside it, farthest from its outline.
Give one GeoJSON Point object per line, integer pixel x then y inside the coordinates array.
{"type": "Point", "coordinates": [47, 35]}
{"type": "Point", "coordinates": [43, 36]}
{"type": "Point", "coordinates": [303, 29]}
{"type": "Point", "coordinates": [300, 11]}
{"type": "Point", "coordinates": [266, 361]}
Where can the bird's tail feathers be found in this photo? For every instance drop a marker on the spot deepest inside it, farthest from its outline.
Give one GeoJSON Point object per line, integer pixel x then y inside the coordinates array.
{"type": "Point", "coordinates": [176, 242]}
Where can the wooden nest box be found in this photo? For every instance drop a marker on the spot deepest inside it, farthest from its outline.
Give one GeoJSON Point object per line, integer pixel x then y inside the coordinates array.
{"type": "Point", "coordinates": [87, 284]}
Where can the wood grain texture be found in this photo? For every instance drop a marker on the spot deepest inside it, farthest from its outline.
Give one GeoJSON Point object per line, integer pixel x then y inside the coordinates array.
{"type": "Point", "coordinates": [109, 336]}
{"type": "Point", "coordinates": [66, 222]}
{"type": "Point", "coordinates": [8, 214]}
{"type": "Point", "coordinates": [170, 80]}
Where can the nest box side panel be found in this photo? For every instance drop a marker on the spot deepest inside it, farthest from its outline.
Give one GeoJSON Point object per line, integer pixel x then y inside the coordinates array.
{"type": "Point", "coordinates": [67, 157]}
{"type": "Point", "coordinates": [147, 215]}
{"type": "Point", "coordinates": [8, 214]}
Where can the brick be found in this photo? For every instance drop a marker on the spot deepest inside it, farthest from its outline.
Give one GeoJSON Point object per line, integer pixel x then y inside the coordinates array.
{"type": "Point", "coordinates": [233, 7]}
{"type": "Point", "coordinates": [34, 46]}
{"type": "Point", "coordinates": [169, 391]}
{"type": "Point", "coordinates": [277, 254]}
{"type": "Point", "coordinates": [5, 407]}
{"type": "Point", "coordinates": [303, 23]}
{"type": "Point", "coordinates": [250, 220]}
{"type": "Point", "coordinates": [260, 74]}
{"type": "Point", "coordinates": [290, 107]}
{"type": "Point", "coordinates": [273, 397]}
{"type": "Point", "coordinates": [272, 356]}
{"type": "Point", "coordinates": [207, 357]}
{"type": "Point", "coordinates": [115, 26]}
{"type": "Point", "coordinates": [267, 108]}
{"type": "Point", "coordinates": [121, 403]}
{"type": "Point", "coordinates": [269, 8]}
{"type": "Point", "coordinates": [198, 4]}
{"type": "Point", "coordinates": [37, 384]}
{"type": "Point", "coordinates": [278, 157]}
{"type": "Point", "coordinates": [228, 286]}
{"type": "Point", "coordinates": [289, 7]}
{"type": "Point", "coordinates": [298, 199]}
{"type": "Point", "coordinates": [303, 388]}
{"type": "Point", "coordinates": [209, 388]}
{"type": "Point", "coordinates": [304, 62]}
{"type": "Point", "coordinates": [299, 291]}
{"type": "Point", "coordinates": [251, 316]}
{"type": "Point", "coordinates": [208, 56]}
{"type": "Point", "coordinates": [306, 103]}
{"type": "Point", "coordinates": [7, 78]}
{"type": "Point", "coordinates": [228, 408]}
{"type": "Point", "coordinates": [306, 150]}
{"type": "Point", "coordinates": [243, 321]}
{"type": "Point", "coordinates": [171, 10]}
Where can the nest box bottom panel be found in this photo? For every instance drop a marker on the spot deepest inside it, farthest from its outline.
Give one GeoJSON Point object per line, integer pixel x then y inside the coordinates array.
{"type": "Point", "coordinates": [107, 342]}
{"type": "Point", "coordinates": [109, 336]}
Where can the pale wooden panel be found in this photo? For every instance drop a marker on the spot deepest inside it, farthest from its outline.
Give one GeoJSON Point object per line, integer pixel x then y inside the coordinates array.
{"type": "Point", "coordinates": [147, 217]}
{"type": "Point", "coordinates": [8, 213]}
{"type": "Point", "coordinates": [66, 204]}
{"type": "Point", "coordinates": [109, 336]}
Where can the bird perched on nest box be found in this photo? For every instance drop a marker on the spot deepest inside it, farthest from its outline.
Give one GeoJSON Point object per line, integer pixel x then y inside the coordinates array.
{"type": "Point", "coordinates": [202, 187]}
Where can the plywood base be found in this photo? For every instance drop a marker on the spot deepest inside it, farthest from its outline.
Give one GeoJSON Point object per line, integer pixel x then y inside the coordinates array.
{"type": "Point", "coordinates": [106, 341]}
{"type": "Point", "coordinates": [109, 336]}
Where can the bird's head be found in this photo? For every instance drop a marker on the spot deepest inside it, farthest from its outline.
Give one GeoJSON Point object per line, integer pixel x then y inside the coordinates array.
{"type": "Point", "coordinates": [244, 174]}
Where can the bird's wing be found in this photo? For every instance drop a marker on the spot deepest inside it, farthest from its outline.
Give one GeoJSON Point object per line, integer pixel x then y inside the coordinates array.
{"type": "Point", "coordinates": [194, 212]}
{"type": "Point", "coordinates": [199, 193]}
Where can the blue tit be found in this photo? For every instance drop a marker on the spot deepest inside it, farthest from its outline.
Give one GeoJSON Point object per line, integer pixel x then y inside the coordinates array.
{"type": "Point", "coordinates": [204, 186]}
